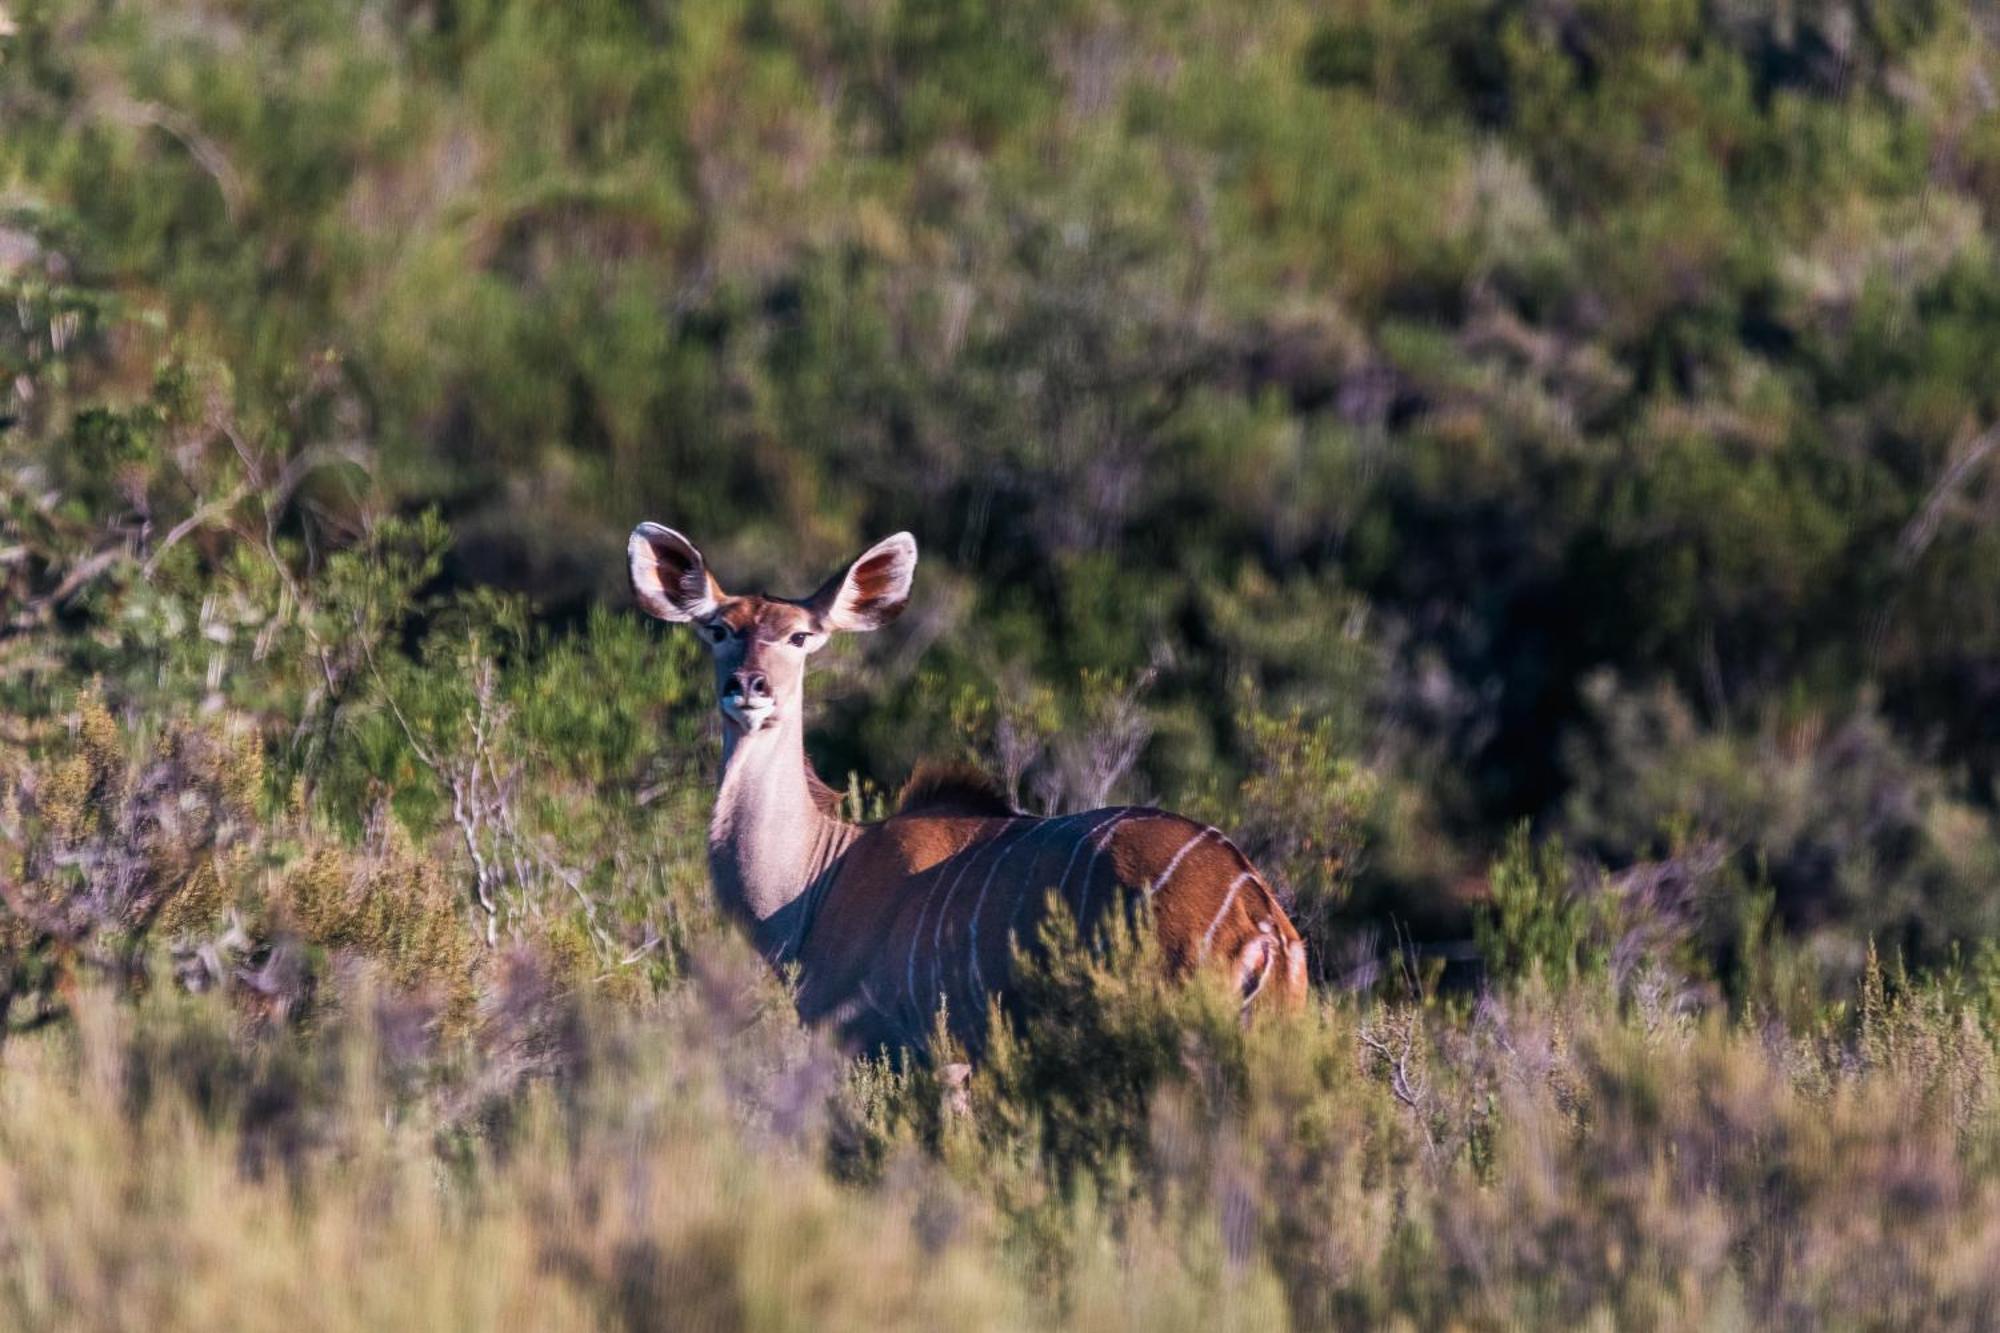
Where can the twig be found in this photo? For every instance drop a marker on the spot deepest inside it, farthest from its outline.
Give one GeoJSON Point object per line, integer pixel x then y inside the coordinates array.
{"type": "Point", "coordinates": [1922, 530]}
{"type": "Point", "coordinates": [1412, 1091]}
{"type": "Point", "coordinates": [182, 129]}
{"type": "Point", "coordinates": [462, 808]}
{"type": "Point", "coordinates": [652, 943]}
{"type": "Point", "coordinates": [1407, 1091]}
{"type": "Point", "coordinates": [187, 525]}
{"type": "Point", "coordinates": [85, 571]}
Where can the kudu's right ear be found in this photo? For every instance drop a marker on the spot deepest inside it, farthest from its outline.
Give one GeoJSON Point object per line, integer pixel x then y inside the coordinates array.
{"type": "Point", "coordinates": [872, 591]}
{"type": "Point", "coordinates": [669, 577]}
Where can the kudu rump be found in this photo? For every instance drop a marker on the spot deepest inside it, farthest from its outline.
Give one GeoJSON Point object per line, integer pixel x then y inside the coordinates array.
{"type": "Point", "coordinates": [886, 921]}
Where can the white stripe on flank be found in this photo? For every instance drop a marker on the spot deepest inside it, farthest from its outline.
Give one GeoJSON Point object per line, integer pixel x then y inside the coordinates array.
{"type": "Point", "coordinates": [1175, 864]}
{"type": "Point", "coordinates": [944, 910]}
{"type": "Point", "coordinates": [1090, 867]}
{"type": "Point", "coordinates": [1062, 885]}
{"type": "Point", "coordinates": [1208, 937]}
{"type": "Point", "coordinates": [978, 983]}
{"type": "Point", "coordinates": [868, 995]}
{"type": "Point", "coordinates": [917, 932]}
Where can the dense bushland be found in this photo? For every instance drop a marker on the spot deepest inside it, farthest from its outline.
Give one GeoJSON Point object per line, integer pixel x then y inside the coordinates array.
{"type": "Point", "coordinates": [1528, 469]}
{"type": "Point", "coordinates": [1527, 396]}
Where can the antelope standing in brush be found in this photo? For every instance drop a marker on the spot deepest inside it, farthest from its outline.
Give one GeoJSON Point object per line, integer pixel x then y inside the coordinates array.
{"type": "Point", "coordinates": [886, 921]}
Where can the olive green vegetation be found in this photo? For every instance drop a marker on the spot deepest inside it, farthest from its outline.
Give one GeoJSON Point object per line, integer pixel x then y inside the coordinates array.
{"type": "Point", "coordinates": [1531, 470]}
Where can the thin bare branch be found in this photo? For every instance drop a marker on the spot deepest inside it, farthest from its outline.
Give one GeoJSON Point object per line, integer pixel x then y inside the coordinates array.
{"type": "Point", "coordinates": [1922, 530]}
{"type": "Point", "coordinates": [208, 154]}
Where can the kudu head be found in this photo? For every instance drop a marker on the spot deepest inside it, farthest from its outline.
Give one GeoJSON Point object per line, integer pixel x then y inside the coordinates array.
{"type": "Point", "coordinates": [759, 643]}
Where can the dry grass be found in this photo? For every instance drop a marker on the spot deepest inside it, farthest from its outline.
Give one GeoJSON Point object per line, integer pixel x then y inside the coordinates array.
{"type": "Point", "coordinates": [259, 1071]}
{"type": "Point", "coordinates": [1537, 1161]}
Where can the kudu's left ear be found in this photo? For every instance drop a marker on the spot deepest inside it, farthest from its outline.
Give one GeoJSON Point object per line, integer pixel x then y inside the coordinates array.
{"type": "Point", "coordinates": [669, 576]}
{"type": "Point", "coordinates": [874, 589]}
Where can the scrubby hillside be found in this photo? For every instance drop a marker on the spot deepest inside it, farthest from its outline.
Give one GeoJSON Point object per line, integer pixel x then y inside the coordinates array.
{"type": "Point", "coordinates": [1530, 470]}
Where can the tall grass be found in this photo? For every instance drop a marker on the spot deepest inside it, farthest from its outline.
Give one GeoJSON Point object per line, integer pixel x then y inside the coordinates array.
{"type": "Point", "coordinates": [1542, 1158]}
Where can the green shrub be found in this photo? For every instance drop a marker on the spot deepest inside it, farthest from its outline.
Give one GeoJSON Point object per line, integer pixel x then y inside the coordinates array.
{"type": "Point", "coordinates": [1540, 921]}
{"type": "Point", "coordinates": [1379, 430]}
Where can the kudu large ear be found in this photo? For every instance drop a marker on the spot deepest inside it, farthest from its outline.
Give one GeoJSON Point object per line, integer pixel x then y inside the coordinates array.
{"type": "Point", "coordinates": [669, 577]}
{"type": "Point", "coordinates": [873, 590]}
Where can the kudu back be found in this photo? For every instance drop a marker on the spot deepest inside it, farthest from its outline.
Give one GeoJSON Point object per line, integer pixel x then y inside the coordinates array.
{"type": "Point", "coordinates": [885, 922]}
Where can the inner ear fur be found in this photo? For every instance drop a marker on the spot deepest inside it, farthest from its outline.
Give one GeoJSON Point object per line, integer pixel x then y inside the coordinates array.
{"type": "Point", "coordinates": [670, 578]}
{"type": "Point", "coordinates": [873, 590]}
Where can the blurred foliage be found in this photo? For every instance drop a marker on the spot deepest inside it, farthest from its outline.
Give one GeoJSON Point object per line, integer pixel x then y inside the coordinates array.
{"type": "Point", "coordinates": [1131, 1159]}
{"type": "Point", "coordinates": [1535, 923]}
{"type": "Point", "coordinates": [1530, 471]}
{"type": "Point", "coordinates": [1437, 369]}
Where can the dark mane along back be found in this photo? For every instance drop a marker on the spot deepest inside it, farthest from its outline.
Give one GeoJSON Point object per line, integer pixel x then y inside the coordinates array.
{"type": "Point", "coordinates": [938, 786]}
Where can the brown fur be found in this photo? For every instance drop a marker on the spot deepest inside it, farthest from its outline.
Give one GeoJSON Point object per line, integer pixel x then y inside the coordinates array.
{"type": "Point", "coordinates": [887, 922]}
{"type": "Point", "coordinates": [927, 906]}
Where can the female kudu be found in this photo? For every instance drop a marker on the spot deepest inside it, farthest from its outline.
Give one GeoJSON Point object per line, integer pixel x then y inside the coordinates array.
{"type": "Point", "coordinates": [886, 921]}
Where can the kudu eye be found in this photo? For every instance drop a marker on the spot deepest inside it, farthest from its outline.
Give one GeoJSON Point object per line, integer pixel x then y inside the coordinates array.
{"type": "Point", "coordinates": [799, 639]}
{"type": "Point", "coordinates": [717, 633]}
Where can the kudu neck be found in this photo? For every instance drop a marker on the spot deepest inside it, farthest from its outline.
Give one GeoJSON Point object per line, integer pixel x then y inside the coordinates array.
{"type": "Point", "coordinates": [772, 842]}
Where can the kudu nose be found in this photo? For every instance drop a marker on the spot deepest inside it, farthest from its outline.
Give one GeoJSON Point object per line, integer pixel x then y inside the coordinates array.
{"type": "Point", "coordinates": [750, 684]}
